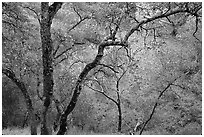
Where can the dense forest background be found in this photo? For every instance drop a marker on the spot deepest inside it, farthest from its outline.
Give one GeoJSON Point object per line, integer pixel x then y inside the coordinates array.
{"type": "Point", "coordinates": [102, 68]}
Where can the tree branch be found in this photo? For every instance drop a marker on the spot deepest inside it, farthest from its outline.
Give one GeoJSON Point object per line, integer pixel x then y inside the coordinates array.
{"type": "Point", "coordinates": [32, 9]}
{"type": "Point", "coordinates": [166, 14]}
{"type": "Point", "coordinates": [80, 21]}
{"type": "Point", "coordinates": [61, 61]}
{"type": "Point", "coordinates": [118, 81]}
{"type": "Point", "coordinates": [53, 9]}
{"type": "Point", "coordinates": [109, 67]}
{"type": "Point", "coordinates": [77, 61]}
{"type": "Point", "coordinates": [55, 51]}
{"type": "Point", "coordinates": [196, 29]}
{"type": "Point", "coordinates": [178, 86]}
{"type": "Point", "coordinates": [81, 78]}
{"type": "Point", "coordinates": [103, 94]}
{"type": "Point", "coordinates": [154, 108]}
{"type": "Point", "coordinates": [63, 52]}
{"type": "Point", "coordinates": [10, 74]}
{"type": "Point", "coordinates": [77, 13]}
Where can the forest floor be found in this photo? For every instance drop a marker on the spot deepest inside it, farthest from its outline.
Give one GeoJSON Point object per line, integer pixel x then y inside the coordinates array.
{"type": "Point", "coordinates": [16, 131]}
{"type": "Point", "coordinates": [26, 131]}
{"type": "Point", "coordinates": [189, 130]}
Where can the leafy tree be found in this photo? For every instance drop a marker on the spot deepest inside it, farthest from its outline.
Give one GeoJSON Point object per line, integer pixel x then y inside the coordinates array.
{"type": "Point", "coordinates": [81, 41]}
{"type": "Point", "coordinates": [14, 49]}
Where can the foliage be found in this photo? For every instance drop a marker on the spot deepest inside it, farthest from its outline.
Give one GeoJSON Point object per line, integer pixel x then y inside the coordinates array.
{"type": "Point", "coordinates": [143, 57]}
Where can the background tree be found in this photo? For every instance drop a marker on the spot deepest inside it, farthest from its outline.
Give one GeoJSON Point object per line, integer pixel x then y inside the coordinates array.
{"type": "Point", "coordinates": [16, 53]}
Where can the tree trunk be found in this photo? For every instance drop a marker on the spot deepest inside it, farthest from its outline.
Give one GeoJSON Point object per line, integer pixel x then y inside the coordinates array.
{"type": "Point", "coordinates": [45, 26]}
{"type": "Point", "coordinates": [77, 90]}
{"type": "Point", "coordinates": [47, 15]}
{"type": "Point", "coordinates": [34, 122]}
{"type": "Point", "coordinates": [10, 74]}
{"type": "Point", "coordinates": [118, 103]}
{"type": "Point", "coordinates": [78, 87]}
{"type": "Point", "coordinates": [119, 117]}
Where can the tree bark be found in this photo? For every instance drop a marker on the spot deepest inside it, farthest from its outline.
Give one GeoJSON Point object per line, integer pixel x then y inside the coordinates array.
{"type": "Point", "coordinates": [82, 76]}
{"type": "Point", "coordinates": [32, 119]}
{"type": "Point", "coordinates": [119, 119]}
{"type": "Point", "coordinates": [47, 15]}
{"type": "Point", "coordinates": [119, 115]}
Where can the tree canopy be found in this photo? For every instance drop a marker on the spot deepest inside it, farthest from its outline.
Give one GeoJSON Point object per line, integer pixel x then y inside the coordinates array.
{"type": "Point", "coordinates": [102, 67]}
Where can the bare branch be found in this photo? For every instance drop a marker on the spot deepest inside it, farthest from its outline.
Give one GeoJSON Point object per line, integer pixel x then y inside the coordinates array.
{"type": "Point", "coordinates": [118, 81]}
{"type": "Point", "coordinates": [154, 108]}
{"type": "Point", "coordinates": [77, 13]}
{"type": "Point", "coordinates": [126, 49]}
{"type": "Point", "coordinates": [102, 93]}
{"type": "Point", "coordinates": [10, 23]}
{"type": "Point", "coordinates": [78, 61]}
{"type": "Point", "coordinates": [21, 85]}
{"type": "Point", "coordinates": [78, 87]}
{"type": "Point", "coordinates": [80, 21]}
{"type": "Point", "coordinates": [60, 61]}
{"type": "Point", "coordinates": [109, 68]}
{"type": "Point", "coordinates": [179, 86]}
{"type": "Point", "coordinates": [154, 18]}
{"type": "Point", "coordinates": [196, 29]}
{"type": "Point", "coordinates": [63, 52]}
{"type": "Point", "coordinates": [33, 10]}
{"type": "Point", "coordinates": [115, 30]}
{"type": "Point", "coordinates": [169, 8]}
{"type": "Point", "coordinates": [57, 48]}
{"type": "Point", "coordinates": [71, 47]}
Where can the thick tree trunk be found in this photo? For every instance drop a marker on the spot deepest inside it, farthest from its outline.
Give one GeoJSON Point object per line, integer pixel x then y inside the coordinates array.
{"type": "Point", "coordinates": [10, 74]}
{"type": "Point", "coordinates": [48, 83]}
{"type": "Point", "coordinates": [78, 87]}
{"type": "Point", "coordinates": [47, 15]}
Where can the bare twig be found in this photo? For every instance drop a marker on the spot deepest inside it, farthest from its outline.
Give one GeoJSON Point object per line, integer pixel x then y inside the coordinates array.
{"type": "Point", "coordinates": [169, 8]}
{"type": "Point", "coordinates": [145, 21]}
{"type": "Point", "coordinates": [77, 61]}
{"type": "Point", "coordinates": [61, 61]}
{"type": "Point", "coordinates": [118, 80]}
{"type": "Point", "coordinates": [81, 19]}
{"type": "Point", "coordinates": [55, 51]}
{"type": "Point", "coordinates": [196, 29]}
{"type": "Point", "coordinates": [178, 86]}
{"type": "Point", "coordinates": [74, 8]}
{"type": "Point", "coordinates": [109, 68]}
{"type": "Point", "coordinates": [102, 93]}
{"type": "Point", "coordinates": [33, 10]}
{"type": "Point", "coordinates": [63, 52]}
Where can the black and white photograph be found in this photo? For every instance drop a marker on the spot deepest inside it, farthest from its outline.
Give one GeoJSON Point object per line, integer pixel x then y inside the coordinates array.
{"type": "Point", "coordinates": [101, 68]}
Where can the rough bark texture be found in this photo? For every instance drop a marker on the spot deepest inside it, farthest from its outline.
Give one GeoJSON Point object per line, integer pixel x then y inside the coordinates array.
{"type": "Point", "coordinates": [47, 15]}
{"type": "Point", "coordinates": [32, 119]}
{"type": "Point", "coordinates": [78, 87]}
